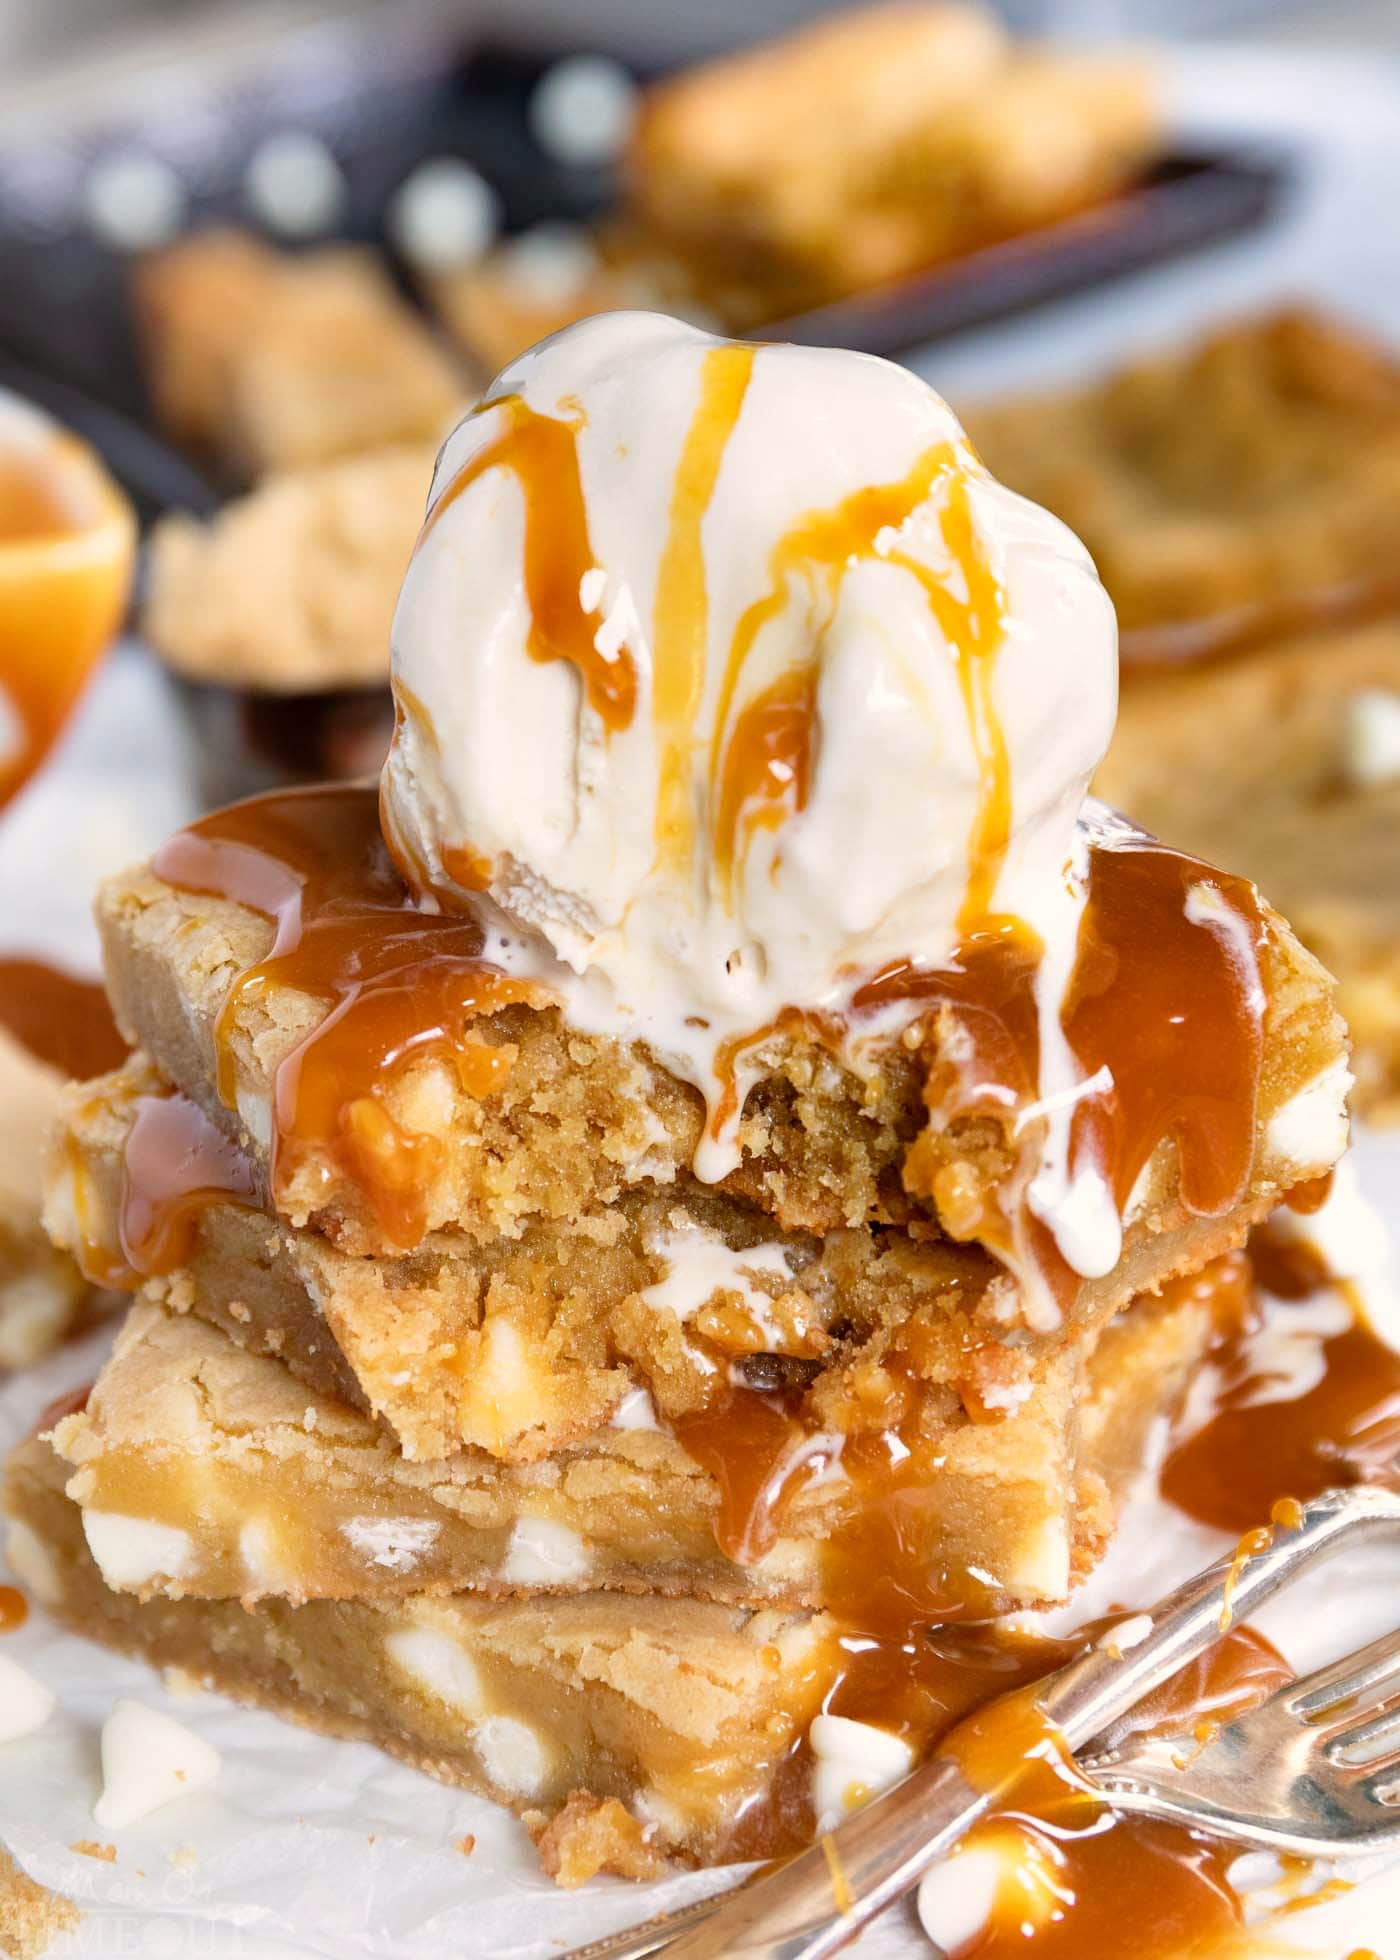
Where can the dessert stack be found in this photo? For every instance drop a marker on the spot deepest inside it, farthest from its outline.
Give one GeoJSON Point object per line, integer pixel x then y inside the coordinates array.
{"type": "Point", "coordinates": [710, 1170]}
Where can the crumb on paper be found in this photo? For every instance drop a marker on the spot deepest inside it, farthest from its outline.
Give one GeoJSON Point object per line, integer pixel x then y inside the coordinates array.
{"type": "Point", "coordinates": [466, 1845]}
{"type": "Point", "coordinates": [180, 1683]}
{"type": "Point", "coordinates": [592, 1835]}
{"type": "Point", "coordinates": [31, 1917]}
{"type": "Point", "coordinates": [185, 1858]}
{"type": "Point", "coordinates": [105, 1853]}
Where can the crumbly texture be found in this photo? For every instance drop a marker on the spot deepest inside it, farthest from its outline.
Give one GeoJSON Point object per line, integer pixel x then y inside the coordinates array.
{"type": "Point", "coordinates": [869, 145]}
{"type": "Point", "coordinates": [43, 1296]}
{"type": "Point", "coordinates": [590, 1836]}
{"type": "Point", "coordinates": [1245, 760]}
{"type": "Point", "coordinates": [1222, 482]}
{"type": "Point", "coordinates": [520, 1346]}
{"type": "Point", "coordinates": [679, 1709]}
{"type": "Point", "coordinates": [31, 1916]}
{"type": "Point", "coordinates": [291, 588]}
{"type": "Point", "coordinates": [576, 1121]}
{"type": "Point", "coordinates": [271, 360]}
{"type": "Point", "coordinates": [274, 1489]}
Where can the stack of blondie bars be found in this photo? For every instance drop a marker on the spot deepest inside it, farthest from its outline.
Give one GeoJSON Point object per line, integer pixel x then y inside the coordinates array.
{"type": "Point", "coordinates": [457, 1413]}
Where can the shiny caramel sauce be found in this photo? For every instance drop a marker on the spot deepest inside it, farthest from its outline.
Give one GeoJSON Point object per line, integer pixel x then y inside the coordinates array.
{"type": "Point", "coordinates": [14, 1609]}
{"type": "Point", "coordinates": [63, 1020]}
{"type": "Point", "coordinates": [767, 769]}
{"type": "Point", "coordinates": [681, 610]}
{"type": "Point", "coordinates": [175, 1164]}
{"type": "Point", "coordinates": [541, 453]}
{"type": "Point", "coordinates": [400, 985]}
{"type": "Point", "coordinates": [1344, 1429]}
{"type": "Point", "coordinates": [817, 554]}
{"type": "Point", "coordinates": [1159, 1006]}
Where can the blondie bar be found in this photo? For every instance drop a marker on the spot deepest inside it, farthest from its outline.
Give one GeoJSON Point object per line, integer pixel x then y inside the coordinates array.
{"type": "Point", "coordinates": [270, 360]}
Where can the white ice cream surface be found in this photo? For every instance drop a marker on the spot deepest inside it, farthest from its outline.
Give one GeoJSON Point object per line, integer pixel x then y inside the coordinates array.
{"type": "Point", "coordinates": [617, 889]}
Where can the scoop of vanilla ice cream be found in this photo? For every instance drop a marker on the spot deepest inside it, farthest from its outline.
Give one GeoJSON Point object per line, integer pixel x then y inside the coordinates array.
{"type": "Point", "coordinates": [727, 676]}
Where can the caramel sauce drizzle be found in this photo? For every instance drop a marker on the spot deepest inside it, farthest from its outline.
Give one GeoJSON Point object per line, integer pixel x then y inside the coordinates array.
{"type": "Point", "coordinates": [766, 775]}
{"type": "Point", "coordinates": [175, 1163]}
{"type": "Point", "coordinates": [681, 612]}
{"type": "Point", "coordinates": [14, 1609]}
{"type": "Point", "coordinates": [817, 553]}
{"type": "Point", "coordinates": [400, 986]}
{"type": "Point", "coordinates": [1345, 1429]}
{"type": "Point", "coordinates": [541, 453]}
{"type": "Point", "coordinates": [62, 1019]}
{"type": "Point", "coordinates": [1157, 1007]}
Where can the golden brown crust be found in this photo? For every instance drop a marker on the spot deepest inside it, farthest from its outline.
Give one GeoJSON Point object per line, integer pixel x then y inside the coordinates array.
{"type": "Point", "coordinates": [291, 588]}
{"type": "Point", "coordinates": [866, 146]}
{"type": "Point", "coordinates": [273, 361]}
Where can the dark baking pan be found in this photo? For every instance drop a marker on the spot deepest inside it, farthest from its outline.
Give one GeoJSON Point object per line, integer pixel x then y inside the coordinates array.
{"type": "Point", "coordinates": [384, 98]}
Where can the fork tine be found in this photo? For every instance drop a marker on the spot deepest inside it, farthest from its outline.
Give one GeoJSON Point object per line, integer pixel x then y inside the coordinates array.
{"type": "Point", "coordinates": [1346, 1679]}
{"type": "Point", "coordinates": [1358, 1744]}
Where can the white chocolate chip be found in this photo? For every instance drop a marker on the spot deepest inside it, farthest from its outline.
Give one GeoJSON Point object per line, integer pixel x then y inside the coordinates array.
{"type": "Point", "coordinates": [148, 1759]}
{"type": "Point", "coordinates": [395, 1544]}
{"type": "Point", "coordinates": [854, 1761]}
{"type": "Point", "coordinates": [1309, 1131]}
{"type": "Point", "coordinates": [135, 1552]}
{"type": "Point", "coordinates": [25, 1704]}
{"type": "Point", "coordinates": [512, 1754]}
{"type": "Point", "coordinates": [438, 1666]}
{"type": "Point", "coordinates": [636, 1410]}
{"type": "Point", "coordinates": [544, 1553]}
{"type": "Point", "coordinates": [1126, 1634]}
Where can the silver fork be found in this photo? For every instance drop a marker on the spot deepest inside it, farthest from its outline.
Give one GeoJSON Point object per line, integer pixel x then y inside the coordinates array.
{"type": "Point", "coordinates": [1315, 1769]}
{"type": "Point", "coordinates": [1329, 1756]}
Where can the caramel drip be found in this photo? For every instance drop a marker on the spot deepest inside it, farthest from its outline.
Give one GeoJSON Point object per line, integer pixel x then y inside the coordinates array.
{"type": "Point", "coordinates": [1311, 1195]}
{"type": "Point", "coordinates": [681, 612]}
{"type": "Point", "coordinates": [541, 453]}
{"type": "Point", "coordinates": [1345, 1429]}
{"type": "Point", "coordinates": [767, 769]}
{"type": "Point", "coordinates": [175, 1164]}
{"type": "Point", "coordinates": [468, 869]}
{"type": "Point", "coordinates": [1157, 1002]}
{"type": "Point", "coordinates": [819, 551]}
{"type": "Point", "coordinates": [63, 1020]}
{"type": "Point", "coordinates": [14, 1609]}
{"type": "Point", "coordinates": [400, 987]}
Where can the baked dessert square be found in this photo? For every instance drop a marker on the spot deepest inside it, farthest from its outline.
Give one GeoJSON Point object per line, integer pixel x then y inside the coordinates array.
{"type": "Point", "coordinates": [1227, 487]}
{"type": "Point", "coordinates": [291, 588]}
{"type": "Point", "coordinates": [679, 1710]}
{"type": "Point", "coordinates": [869, 145]}
{"type": "Point", "coordinates": [271, 361]}
{"type": "Point", "coordinates": [208, 1471]}
{"type": "Point", "coordinates": [638, 1725]}
{"type": "Point", "coordinates": [525, 1120]}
